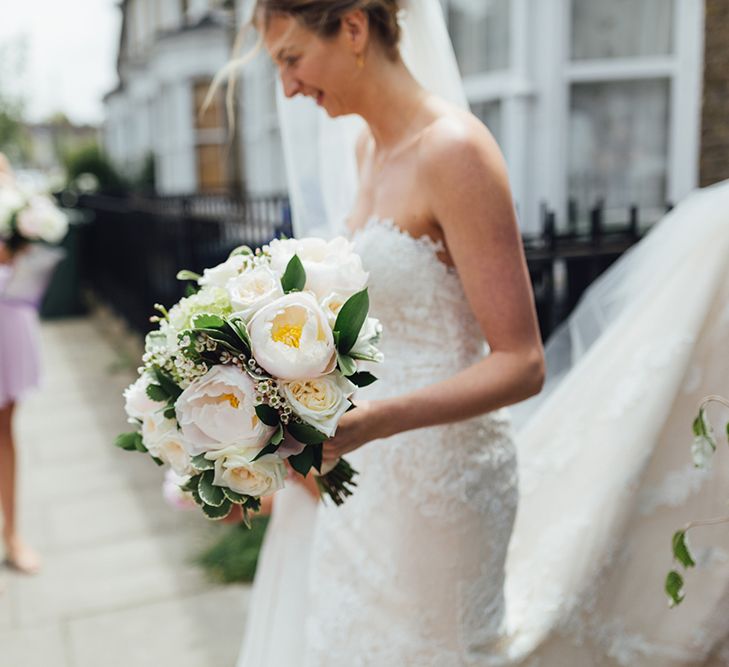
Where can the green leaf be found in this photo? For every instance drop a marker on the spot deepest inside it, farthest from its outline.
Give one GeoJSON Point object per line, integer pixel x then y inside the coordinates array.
{"type": "Point", "coordinates": [216, 513]}
{"type": "Point", "coordinates": [236, 498]}
{"type": "Point", "coordinates": [157, 393]}
{"type": "Point", "coordinates": [268, 415]}
{"type": "Point", "coordinates": [318, 452]}
{"type": "Point", "coordinates": [674, 588]}
{"type": "Point", "coordinates": [190, 486]}
{"type": "Point", "coordinates": [278, 436]}
{"type": "Point", "coordinates": [362, 378]}
{"type": "Point", "coordinates": [302, 463]}
{"type": "Point", "coordinates": [305, 433]}
{"type": "Point", "coordinates": [129, 442]}
{"type": "Point", "coordinates": [270, 448]}
{"type": "Point", "coordinates": [170, 413]}
{"type": "Point", "coordinates": [159, 462]}
{"type": "Point", "coordinates": [211, 494]}
{"type": "Point", "coordinates": [191, 289]}
{"type": "Point", "coordinates": [208, 321]}
{"type": "Point", "coordinates": [167, 383]}
{"type": "Point", "coordinates": [350, 319]}
{"type": "Point", "coordinates": [294, 278]}
{"type": "Point", "coordinates": [347, 365]}
{"type": "Point", "coordinates": [680, 551]}
{"type": "Point", "coordinates": [201, 463]}
{"type": "Point", "coordinates": [188, 275]}
{"type": "Point", "coordinates": [241, 331]}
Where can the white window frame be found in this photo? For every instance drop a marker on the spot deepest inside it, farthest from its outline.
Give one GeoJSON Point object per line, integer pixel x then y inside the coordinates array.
{"type": "Point", "coordinates": [534, 93]}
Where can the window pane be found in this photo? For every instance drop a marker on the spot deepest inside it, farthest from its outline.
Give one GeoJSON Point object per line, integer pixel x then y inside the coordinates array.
{"type": "Point", "coordinates": [480, 33]}
{"type": "Point", "coordinates": [621, 28]}
{"type": "Point", "coordinates": [619, 144]}
{"type": "Point", "coordinates": [490, 115]}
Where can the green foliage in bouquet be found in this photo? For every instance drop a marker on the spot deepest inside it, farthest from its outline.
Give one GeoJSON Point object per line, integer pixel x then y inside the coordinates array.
{"type": "Point", "coordinates": [703, 447]}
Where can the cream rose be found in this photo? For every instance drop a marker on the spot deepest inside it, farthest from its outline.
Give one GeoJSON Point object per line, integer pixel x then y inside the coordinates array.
{"type": "Point", "coordinates": [219, 275]}
{"type": "Point", "coordinates": [218, 411]}
{"type": "Point", "coordinates": [235, 468]}
{"type": "Point", "coordinates": [154, 426]}
{"type": "Point", "coordinates": [251, 290]}
{"type": "Point", "coordinates": [320, 402]}
{"type": "Point", "coordinates": [171, 449]}
{"type": "Point", "coordinates": [331, 266]}
{"type": "Point", "coordinates": [291, 338]}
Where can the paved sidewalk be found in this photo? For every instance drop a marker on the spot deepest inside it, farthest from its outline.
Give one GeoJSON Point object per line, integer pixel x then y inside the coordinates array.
{"type": "Point", "coordinates": [118, 587]}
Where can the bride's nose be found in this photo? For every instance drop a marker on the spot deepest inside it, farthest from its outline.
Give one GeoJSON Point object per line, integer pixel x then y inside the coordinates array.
{"type": "Point", "coordinates": [291, 85]}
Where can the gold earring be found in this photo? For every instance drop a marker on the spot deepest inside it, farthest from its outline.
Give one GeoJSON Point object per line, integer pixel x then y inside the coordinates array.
{"type": "Point", "coordinates": [360, 61]}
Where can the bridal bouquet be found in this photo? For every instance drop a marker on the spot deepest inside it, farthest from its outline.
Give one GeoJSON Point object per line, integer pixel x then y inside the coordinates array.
{"type": "Point", "coordinates": [28, 218]}
{"type": "Point", "coordinates": [255, 366]}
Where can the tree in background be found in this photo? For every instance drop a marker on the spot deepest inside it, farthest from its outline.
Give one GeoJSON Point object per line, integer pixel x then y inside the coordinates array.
{"type": "Point", "coordinates": [13, 140]}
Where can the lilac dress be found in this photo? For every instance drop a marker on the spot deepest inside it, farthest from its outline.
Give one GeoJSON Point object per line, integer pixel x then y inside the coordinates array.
{"type": "Point", "coordinates": [19, 348]}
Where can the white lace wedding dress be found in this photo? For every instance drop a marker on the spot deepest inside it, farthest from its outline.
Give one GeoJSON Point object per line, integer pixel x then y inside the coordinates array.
{"type": "Point", "coordinates": [414, 570]}
{"type": "Point", "coordinates": [410, 570]}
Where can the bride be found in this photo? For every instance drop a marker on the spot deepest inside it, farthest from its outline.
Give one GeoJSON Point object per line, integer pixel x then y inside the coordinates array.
{"type": "Point", "coordinates": [413, 569]}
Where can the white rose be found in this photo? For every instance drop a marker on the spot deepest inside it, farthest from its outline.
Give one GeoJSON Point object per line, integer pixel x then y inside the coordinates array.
{"type": "Point", "coordinates": [331, 266]}
{"type": "Point", "coordinates": [235, 469]}
{"type": "Point", "coordinates": [253, 289]}
{"type": "Point", "coordinates": [366, 345]}
{"type": "Point", "coordinates": [219, 275]}
{"type": "Point", "coordinates": [171, 449]}
{"type": "Point", "coordinates": [136, 401]}
{"type": "Point", "coordinates": [11, 201]}
{"type": "Point", "coordinates": [291, 338]}
{"type": "Point", "coordinates": [218, 410]}
{"type": "Point", "coordinates": [42, 220]}
{"type": "Point", "coordinates": [320, 402]}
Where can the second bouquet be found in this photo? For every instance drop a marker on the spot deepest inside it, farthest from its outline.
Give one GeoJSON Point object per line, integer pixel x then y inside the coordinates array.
{"type": "Point", "coordinates": [256, 366]}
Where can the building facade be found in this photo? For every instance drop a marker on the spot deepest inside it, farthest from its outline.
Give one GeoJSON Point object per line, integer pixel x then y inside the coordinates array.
{"type": "Point", "coordinates": [591, 101]}
{"type": "Point", "coordinates": [169, 52]}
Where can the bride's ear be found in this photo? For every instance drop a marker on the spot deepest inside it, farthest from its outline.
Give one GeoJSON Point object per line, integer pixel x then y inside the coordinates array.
{"type": "Point", "coordinates": [356, 30]}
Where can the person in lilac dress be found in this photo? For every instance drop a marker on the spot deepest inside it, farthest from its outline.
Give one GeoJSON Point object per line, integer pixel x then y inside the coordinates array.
{"type": "Point", "coordinates": [19, 372]}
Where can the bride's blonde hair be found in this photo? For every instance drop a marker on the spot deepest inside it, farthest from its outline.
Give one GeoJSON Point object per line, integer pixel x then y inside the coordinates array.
{"type": "Point", "coordinates": [323, 17]}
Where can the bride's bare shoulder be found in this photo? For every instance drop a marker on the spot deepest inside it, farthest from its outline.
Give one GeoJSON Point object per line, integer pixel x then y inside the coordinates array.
{"type": "Point", "coordinates": [457, 148]}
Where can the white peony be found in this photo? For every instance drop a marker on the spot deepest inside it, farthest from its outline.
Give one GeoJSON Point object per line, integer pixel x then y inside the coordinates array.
{"type": "Point", "coordinates": [291, 338]}
{"type": "Point", "coordinates": [42, 220]}
{"type": "Point", "coordinates": [331, 266]}
{"type": "Point", "coordinates": [11, 201]}
{"type": "Point", "coordinates": [219, 275]}
{"type": "Point", "coordinates": [320, 402]}
{"type": "Point", "coordinates": [253, 289]}
{"type": "Point", "coordinates": [366, 345]}
{"type": "Point", "coordinates": [218, 411]}
{"type": "Point", "coordinates": [235, 468]}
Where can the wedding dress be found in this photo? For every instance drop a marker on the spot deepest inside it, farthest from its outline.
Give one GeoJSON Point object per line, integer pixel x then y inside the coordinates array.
{"type": "Point", "coordinates": [414, 568]}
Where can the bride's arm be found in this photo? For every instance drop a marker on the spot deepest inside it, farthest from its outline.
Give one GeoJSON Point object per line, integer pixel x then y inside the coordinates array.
{"type": "Point", "coordinates": [463, 172]}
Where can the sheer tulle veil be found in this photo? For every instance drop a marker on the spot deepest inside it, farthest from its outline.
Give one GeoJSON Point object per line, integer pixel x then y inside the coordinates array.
{"type": "Point", "coordinates": [565, 533]}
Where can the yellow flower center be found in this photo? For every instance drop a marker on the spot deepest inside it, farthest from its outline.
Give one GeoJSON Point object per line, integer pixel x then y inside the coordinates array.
{"type": "Point", "coordinates": [231, 398]}
{"type": "Point", "coordinates": [288, 334]}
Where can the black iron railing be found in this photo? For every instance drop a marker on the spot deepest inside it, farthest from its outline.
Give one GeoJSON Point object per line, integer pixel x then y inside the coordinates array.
{"type": "Point", "coordinates": [135, 247]}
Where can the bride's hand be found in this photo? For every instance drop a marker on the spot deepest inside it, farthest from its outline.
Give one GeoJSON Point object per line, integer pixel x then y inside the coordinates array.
{"type": "Point", "coordinates": [356, 428]}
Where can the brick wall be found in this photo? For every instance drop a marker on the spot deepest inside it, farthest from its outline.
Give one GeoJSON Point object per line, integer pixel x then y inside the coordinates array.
{"type": "Point", "coordinates": [714, 158]}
